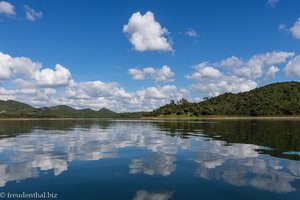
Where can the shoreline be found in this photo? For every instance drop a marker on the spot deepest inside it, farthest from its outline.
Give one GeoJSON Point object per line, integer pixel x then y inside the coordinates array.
{"type": "Point", "coordinates": [221, 117]}
{"type": "Point", "coordinates": [170, 118]}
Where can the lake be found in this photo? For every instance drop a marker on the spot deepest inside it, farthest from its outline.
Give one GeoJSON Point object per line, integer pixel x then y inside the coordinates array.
{"type": "Point", "coordinates": [150, 160]}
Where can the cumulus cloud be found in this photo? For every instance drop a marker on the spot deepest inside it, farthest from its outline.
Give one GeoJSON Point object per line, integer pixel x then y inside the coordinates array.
{"type": "Point", "coordinates": [211, 81]}
{"type": "Point", "coordinates": [234, 74]}
{"type": "Point", "coordinates": [61, 76]}
{"type": "Point", "coordinates": [95, 89]}
{"type": "Point", "coordinates": [272, 3]}
{"type": "Point", "coordinates": [38, 86]}
{"type": "Point", "coordinates": [7, 8]}
{"type": "Point", "coordinates": [203, 71]}
{"type": "Point", "coordinates": [31, 95]}
{"type": "Point", "coordinates": [293, 67]}
{"type": "Point", "coordinates": [145, 33]}
{"type": "Point", "coordinates": [164, 74]}
{"type": "Point", "coordinates": [31, 14]}
{"type": "Point", "coordinates": [295, 30]}
{"type": "Point", "coordinates": [214, 87]}
{"type": "Point", "coordinates": [99, 94]}
{"type": "Point", "coordinates": [191, 33]}
{"type": "Point", "coordinates": [164, 92]}
{"type": "Point", "coordinates": [16, 65]}
{"type": "Point", "coordinates": [255, 66]}
{"type": "Point", "coordinates": [30, 82]}
{"type": "Point", "coordinates": [232, 62]}
{"type": "Point", "coordinates": [33, 71]}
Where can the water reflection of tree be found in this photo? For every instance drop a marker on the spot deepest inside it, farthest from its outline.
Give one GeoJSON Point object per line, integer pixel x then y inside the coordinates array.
{"type": "Point", "coordinates": [281, 135]}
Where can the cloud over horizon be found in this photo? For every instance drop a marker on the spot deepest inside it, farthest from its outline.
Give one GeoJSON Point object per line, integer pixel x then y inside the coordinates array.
{"type": "Point", "coordinates": [30, 82]}
{"type": "Point", "coordinates": [36, 85]}
{"type": "Point", "coordinates": [235, 75]}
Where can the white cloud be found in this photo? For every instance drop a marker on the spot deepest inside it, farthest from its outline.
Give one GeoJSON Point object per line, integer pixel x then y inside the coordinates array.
{"type": "Point", "coordinates": [214, 87]}
{"type": "Point", "coordinates": [16, 65]}
{"type": "Point", "coordinates": [255, 66]}
{"type": "Point", "coordinates": [293, 67]}
{"type": "Point", "coordinates": [164, 74]}
{"type": "Point", "coordinates": [32, 95]}
{"type": "Point", "coordinates": [295, 30]}
{"type": "Point", "coordinates": [212, 82]}
{"type": "Point", "coordinates": [234, 74]}
{"type": "Point", "coordinates": [204, 72]}
{"type": "Point", "coordinates": [7, 8]}
{"type": "Point", "coordinates": [59, 77]}
{"type": "Point", "coordinates": [32, 71]}
{"type": "Point", "coordinates": [31, 83]}
{"type": "Point", "coordinates": [5, 73]}
{"type": "Point", "coordinates": [98, 94]}
{"type": "Point", "coordinates": [32, 14]}
{"type": "Point", "coordinates": [231, 62]}
{"type": "Point", "coordinates": [95, 89]}
{"type": "Point", "coordinates": [191, 33]}
{"type": "Point", "coordinates": [165, 92]}
{"type": "Point", "coordinates": [145, 33]}
{"type": "Point", "coordinates": [272, 71]}
{"type": "Point", "coordinates": [272, 3]}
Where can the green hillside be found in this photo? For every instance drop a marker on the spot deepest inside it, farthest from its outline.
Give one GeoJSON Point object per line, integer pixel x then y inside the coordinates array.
{"type": "Point", "coordinates": [16, 109]}
{"type": "Point", "coordinates": [274, 99]}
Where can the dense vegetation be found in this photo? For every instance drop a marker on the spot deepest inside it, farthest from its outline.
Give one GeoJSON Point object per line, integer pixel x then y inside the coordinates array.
{"type": "Point", "coordinates": [274, 99]}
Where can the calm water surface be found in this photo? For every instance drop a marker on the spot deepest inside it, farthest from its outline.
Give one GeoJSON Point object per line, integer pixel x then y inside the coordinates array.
{"type": "Point", "coordinates": [151, 160]}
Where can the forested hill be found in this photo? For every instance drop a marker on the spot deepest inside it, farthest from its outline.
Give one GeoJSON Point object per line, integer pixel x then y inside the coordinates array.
{"type": "Point", "coordinates": [12, 108]}
{"type": "Point", "coordinates": [274, 99]}
{"type": "Point", "coordinates": [15, 109]}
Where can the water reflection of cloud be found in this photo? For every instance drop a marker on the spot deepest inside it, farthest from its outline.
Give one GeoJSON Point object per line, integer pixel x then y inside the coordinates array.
{"type": "Point", "coordinates": [240, 165]}
{"type": "Point", "coordinates": [156, 164]}
{"type": "Point", "coordinates": [16, 172]}
{"type": "Point", "coordinates": [145, 195]}
{"type": "Point", "coordinates": [44, 150]}
{"type": "Point", "coordinates": [23, 156]}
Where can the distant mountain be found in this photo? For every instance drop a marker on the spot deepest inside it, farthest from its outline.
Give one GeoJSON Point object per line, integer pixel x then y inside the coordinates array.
{"type": "Point", "coordinates": [106, 112]}
{"type": "Point", "coordinates": [11, 108]}
{"type": "Point", "coordinates": [273, 99]}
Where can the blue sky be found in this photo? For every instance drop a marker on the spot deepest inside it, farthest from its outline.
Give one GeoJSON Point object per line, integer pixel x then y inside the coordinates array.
{"type": "Point", "coordinates": [137, 55]}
